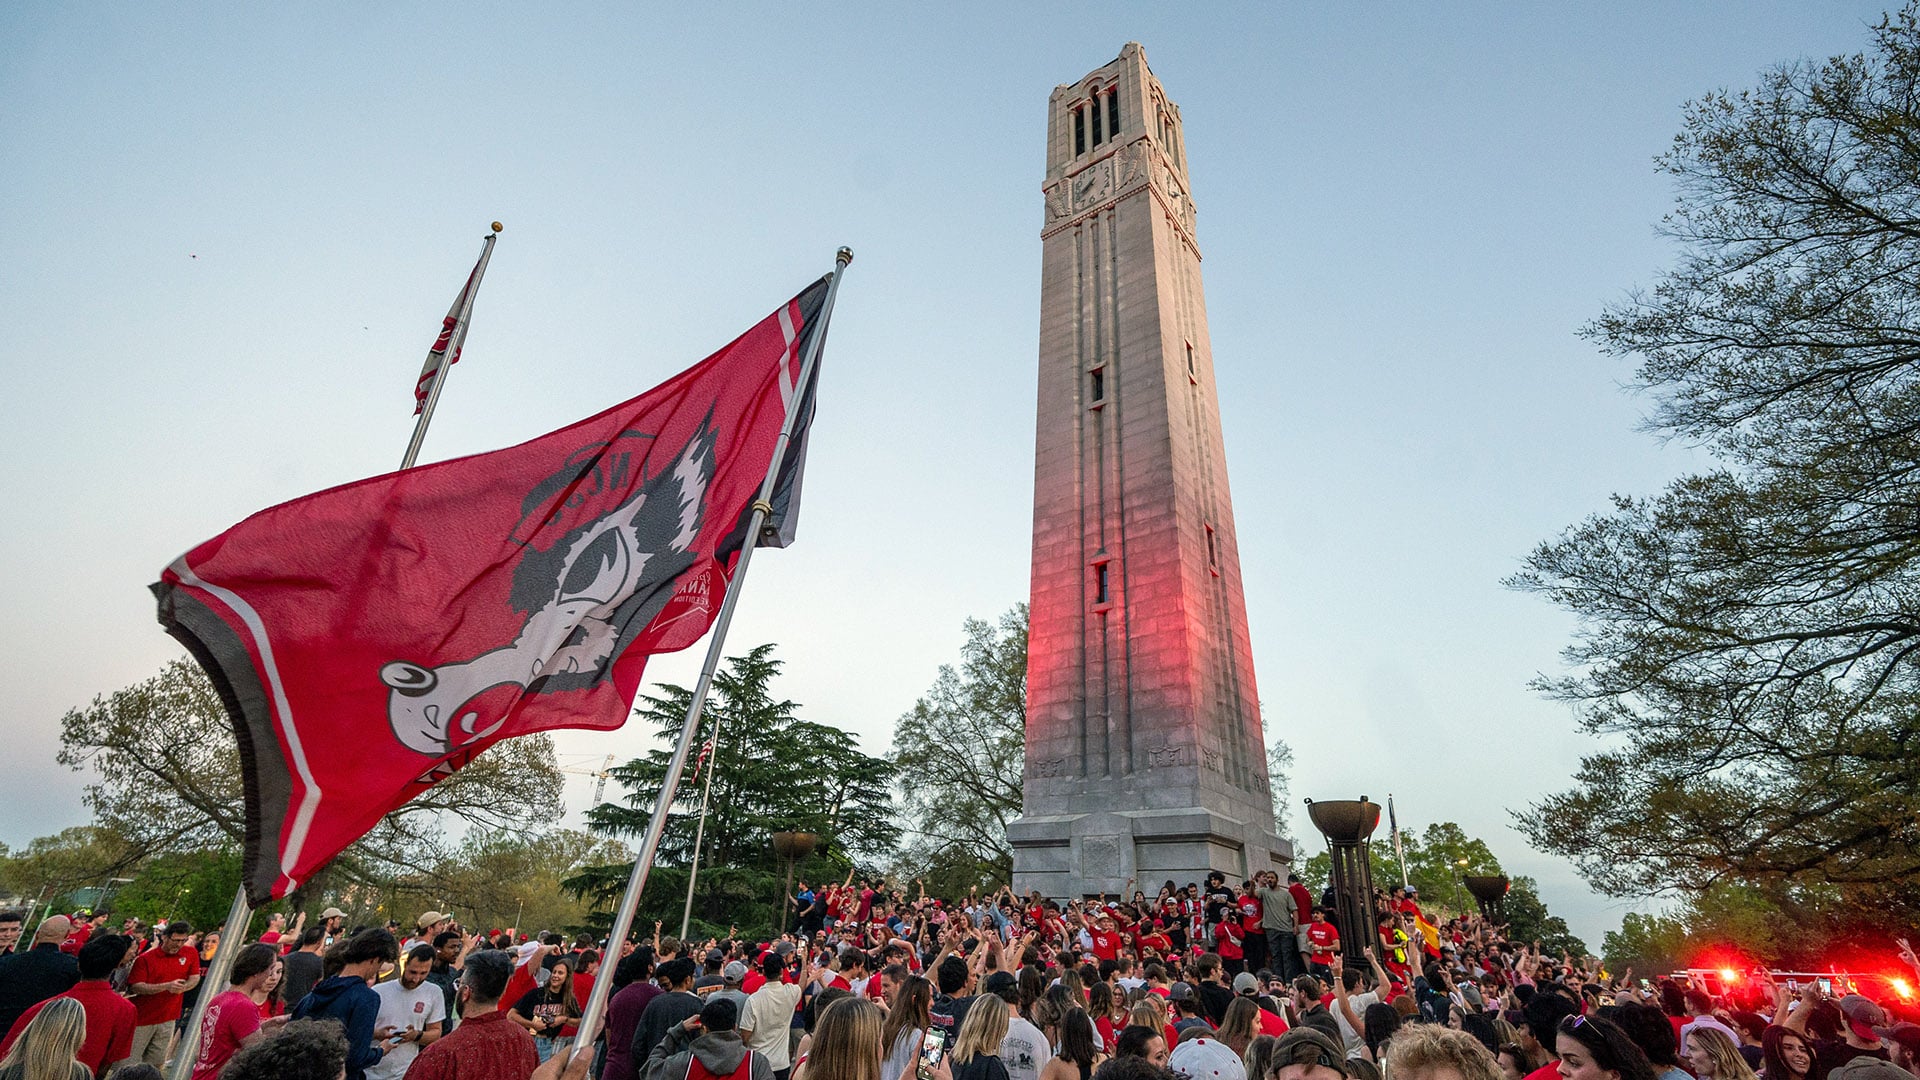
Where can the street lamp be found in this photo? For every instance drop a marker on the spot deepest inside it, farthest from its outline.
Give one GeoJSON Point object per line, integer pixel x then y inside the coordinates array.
{"type": "Point", "coordinates": [1458, 896]}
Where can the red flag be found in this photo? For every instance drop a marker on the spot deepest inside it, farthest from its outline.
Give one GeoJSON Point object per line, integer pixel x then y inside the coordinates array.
{"type": "Point", "coordinates": [370, 639]}
{"type": "Point", "coordinates": [452, 333]}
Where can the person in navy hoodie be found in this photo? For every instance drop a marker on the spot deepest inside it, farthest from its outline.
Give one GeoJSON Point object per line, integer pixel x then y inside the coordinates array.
{"type": "Point", "coordinates": [348, 999]}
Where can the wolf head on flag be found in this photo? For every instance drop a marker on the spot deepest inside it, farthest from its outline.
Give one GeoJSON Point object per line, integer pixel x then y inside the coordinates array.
{"type": "Point", "coordinates": [419, 617]}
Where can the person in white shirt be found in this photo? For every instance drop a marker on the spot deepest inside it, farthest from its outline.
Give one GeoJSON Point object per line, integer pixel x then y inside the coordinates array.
{"type": "Point", "coordinates": [412, 1012]}
{"type": "Point", "coordinates": [769, 1014]}
{"type": "Point", "coordinates": [1024, 1050]}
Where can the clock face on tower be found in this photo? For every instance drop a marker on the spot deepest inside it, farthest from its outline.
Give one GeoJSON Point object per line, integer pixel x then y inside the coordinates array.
{"type": "Point", "coordinates": [1093, 183]}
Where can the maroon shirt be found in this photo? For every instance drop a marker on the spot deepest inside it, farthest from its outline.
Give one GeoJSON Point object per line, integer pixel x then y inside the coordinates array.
{"type": "Point", "coordinates": [485, 1047]}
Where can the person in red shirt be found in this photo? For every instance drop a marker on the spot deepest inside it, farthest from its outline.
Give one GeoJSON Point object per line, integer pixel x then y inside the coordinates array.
{"type": "Point", "coordinates": [233, 1018]}
{"type": "Point", "coordinates": [85, 925]}
{"type": "Point", "coordinates": [1323, 941]}
{"type": "Point", "coordinates": [110, 1017]}
{"type": "Point", "coordinates": [1253, 938]}
{"type": "Point", "coordinates": [158, 979]}
{"type": "Point", "coordinates": [1106, 940]}
{"type": "Point", "coordinates": [487, 1045]}
{"type": "Point", "coordinates": [1227, 943]}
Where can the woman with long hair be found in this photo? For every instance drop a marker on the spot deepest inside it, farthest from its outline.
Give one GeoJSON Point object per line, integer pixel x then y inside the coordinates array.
{"type": "Point", "coordinates": [1651, 1031]}
{"type": "Point", "coordinates": [1785, 1054]}
{"type": "Point", "coordinates": [847, 1043]}
{"type": "Point", "coordinates": [1377, 1027]}
{"type": "Point", "coordinates": [1109, 1012]}
{"type": "Point", "coordinates": [548, 1008]}
{"type": "Point", "coordinates": [976, 1047]}
{"type": "Point", "coordinates": [1074, 1055]}
{"type": "Point", "coordinates": [1239, 1025]}
{"type": "Point", "coordinates": [47, 1049]}
{"type": "Point", "coordinates": [1714, 1056]}
{"type": "Point", "coordinates": [909, 1016]}
{"type": "Point", "coordinates": [1599, 1050]}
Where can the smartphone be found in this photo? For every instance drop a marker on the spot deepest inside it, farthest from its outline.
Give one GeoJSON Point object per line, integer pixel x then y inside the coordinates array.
{"type": "Point", "coordinates": [931, 1050]}
{"type": "Point", "coordinates": [1826, 986]}
{"type": "Point", "coordinates": [1644, 984]}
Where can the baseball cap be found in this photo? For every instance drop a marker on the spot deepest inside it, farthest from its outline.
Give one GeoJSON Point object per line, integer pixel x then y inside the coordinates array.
{"type": "Point", "coordinates": [1246, 983]}
{"type": "Point", "coordinates": [428, 918]}
{"type": "Point", "coordinates": [1862, 1015]}
{"type": "Point", "coordinates": [1904, 1033]}
{"type": "Point", "coordinates": [1308, 1045]}
{"type": "Point", "coordinates": [1205, 1059]}
{"type": "Point", "coordinates": [999, 981]}
{"type": "Point", "coordinates": [1180, 992]}
{"type": "Point", "coordinates": [333, 913]}
{"type": "Point", "coordinates": [734, 972]}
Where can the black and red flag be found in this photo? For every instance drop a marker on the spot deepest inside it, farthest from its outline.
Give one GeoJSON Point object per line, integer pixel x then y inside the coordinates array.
{"type": "Point", "coordinates": [370, 639]}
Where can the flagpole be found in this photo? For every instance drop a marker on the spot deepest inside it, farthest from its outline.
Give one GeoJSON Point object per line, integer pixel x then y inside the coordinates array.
{"type": "Point", "coordinates": [212, 983]}
{"type": "Point", "coordinates": [1398, 851]}
{"type": "Point", "coordinates": [700, 830]}
{"type": "Point", "coordinates": [241, 913]}
{"type": "Point", "coordinates": [596, 1005]}
{"type": "Point", "coordinates": [453, 350]}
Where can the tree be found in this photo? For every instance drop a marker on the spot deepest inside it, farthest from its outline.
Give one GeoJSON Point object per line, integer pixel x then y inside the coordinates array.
{"type": "Point", "coordinates": [51, 868]}
{"type": "Point", "coordinates": [1649, 944]}
{"type": "Point", "coordinates": [167, 780]}
{"type": "Point", "coordinates": [960, 753]}
{"type": "Point", "coordinates": [509, 879]}
{"type": "Point", "coordinates": [1747, 639]}
{"type": "Point", "coordinates": [1529, 920]}
{"type": "Point", "coordinates": [771, 772]}
{"type": "Point", "coordinates": [1438, 860]}
{"type": "Point", "coordinates": [1279, 774]}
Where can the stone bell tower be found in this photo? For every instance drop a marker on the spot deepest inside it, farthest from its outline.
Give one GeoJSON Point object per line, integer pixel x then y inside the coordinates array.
{"type": "Point", "coordinates": [1145, 753]}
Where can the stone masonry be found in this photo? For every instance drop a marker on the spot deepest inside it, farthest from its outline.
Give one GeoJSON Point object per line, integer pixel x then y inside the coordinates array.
{"type": "Point", "coordinates": [1145, 753]}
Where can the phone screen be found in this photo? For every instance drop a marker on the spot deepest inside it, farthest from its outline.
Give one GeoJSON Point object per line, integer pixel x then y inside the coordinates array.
{"type": "Point", "coordinates": [1826, 986]}
{"type": "Point", "coordinates": [931, 1049]}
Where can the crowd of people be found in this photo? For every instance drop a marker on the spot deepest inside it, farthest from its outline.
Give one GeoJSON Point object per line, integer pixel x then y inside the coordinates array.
{"type": "Point", "coordinates": [1205, 981]}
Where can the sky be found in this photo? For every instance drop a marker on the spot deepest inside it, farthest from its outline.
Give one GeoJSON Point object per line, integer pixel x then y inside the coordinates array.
{"type": "Point", "coordinates": [227, 236]}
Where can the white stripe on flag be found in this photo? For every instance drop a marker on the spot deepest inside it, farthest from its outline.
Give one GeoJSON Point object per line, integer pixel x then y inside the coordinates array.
{"type": "Point", "coordinates": [310, 803]}
{"type": "Point", "coordinates": [786, 377]}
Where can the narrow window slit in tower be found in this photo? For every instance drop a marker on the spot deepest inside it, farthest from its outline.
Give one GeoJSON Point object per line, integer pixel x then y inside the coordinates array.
{"type": "Point", "coordinates": [1213, 553]}
{"type": "Point", "coordinates": [1100, 583]}
{"type": "Point", "coordinates": [1113, 112]}
{"type": "Point", "coordinates": [1079, 132]}
{"type": "Point", "coordinates": [1096, 120]}
{"type": "Point", "coordinates": [1098, 392]}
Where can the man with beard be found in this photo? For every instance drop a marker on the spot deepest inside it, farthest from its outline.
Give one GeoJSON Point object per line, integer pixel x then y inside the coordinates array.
{"type": "Point", "coordinates": [413, 1010]}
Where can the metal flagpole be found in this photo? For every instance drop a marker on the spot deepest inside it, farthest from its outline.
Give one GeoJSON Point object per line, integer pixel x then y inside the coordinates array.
{"type": "Point", "coordinates": [453, 350]}
{"type": "Point", "coordinates": [596, 1006]}
{"type": "Point", "coordinates": [700, 830]}
{"type": "Point", "coordinates": [1393, 824]}
{"type": "Point", "coordinates": [240, 915]}
{"type": "Point", "coordinates": [213, 982]}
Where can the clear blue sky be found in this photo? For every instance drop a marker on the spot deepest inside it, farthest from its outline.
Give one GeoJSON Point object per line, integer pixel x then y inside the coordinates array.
{"type": "Point", "coordinates": [227, 236]}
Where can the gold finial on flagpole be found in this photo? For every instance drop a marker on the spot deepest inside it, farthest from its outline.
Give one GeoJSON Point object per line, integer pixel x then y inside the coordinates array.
{"type": "Point", "coordinates": [496, 226]}
{"type": "Point", "coordinates": [843, 256]}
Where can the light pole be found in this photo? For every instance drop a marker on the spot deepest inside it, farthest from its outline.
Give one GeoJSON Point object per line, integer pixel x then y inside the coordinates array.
{"type": "Point", "coordinates": [1460, 897]}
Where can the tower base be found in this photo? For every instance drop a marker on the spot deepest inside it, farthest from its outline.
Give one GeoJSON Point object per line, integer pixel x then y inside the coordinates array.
{"type": "Point", "coordinates": [1075, 856]}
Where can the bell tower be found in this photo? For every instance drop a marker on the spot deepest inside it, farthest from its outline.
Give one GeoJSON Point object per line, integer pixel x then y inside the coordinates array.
{"type": "Point", "coordinates": [1145, 752]}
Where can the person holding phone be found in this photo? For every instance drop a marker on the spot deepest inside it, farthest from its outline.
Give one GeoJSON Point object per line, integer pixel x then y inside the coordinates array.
{"type": "Point", "coordinates": [909, 1018]}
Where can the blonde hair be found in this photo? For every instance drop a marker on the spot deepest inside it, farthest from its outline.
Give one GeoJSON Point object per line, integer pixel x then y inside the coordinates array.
{"type": "Point", "coordinates": [982, 1030]}
{"type": "Point", "coordinates": [846, 1041]}
{"type": "Point", "coordinates": [1727, 1062]}
{"type": "Point", "coordinates": [1420, 1050]}
{"type": "Point", "coordinates": [1150, 1011]}
{"type": "Point", "coordinates": [46, 1049]}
